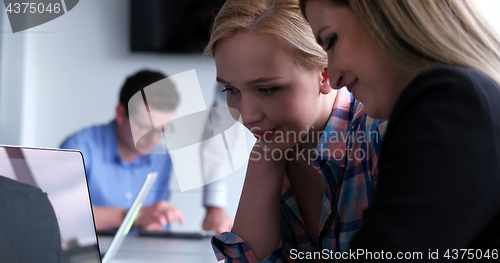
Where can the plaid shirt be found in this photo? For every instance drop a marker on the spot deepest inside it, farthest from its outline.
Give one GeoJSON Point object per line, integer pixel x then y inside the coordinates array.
{"type": "Point", "coordinates": [350, 143]}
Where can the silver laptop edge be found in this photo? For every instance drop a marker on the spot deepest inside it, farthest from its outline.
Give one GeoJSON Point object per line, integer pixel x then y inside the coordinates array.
{"type": "Point", "coordinates": [129, 218]}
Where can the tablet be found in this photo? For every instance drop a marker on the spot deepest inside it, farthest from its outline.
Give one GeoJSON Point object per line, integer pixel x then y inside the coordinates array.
{"type": "Point", "coordinates": [175, 234]}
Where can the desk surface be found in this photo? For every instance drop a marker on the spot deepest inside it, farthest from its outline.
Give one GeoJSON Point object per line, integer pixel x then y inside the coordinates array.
{"type": "Point", "coordinates": [152, 249]}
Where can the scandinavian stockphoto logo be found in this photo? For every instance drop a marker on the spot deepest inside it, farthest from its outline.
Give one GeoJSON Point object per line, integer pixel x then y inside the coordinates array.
{"type": "Point", "coordinates": [24, 14]}
{"type": "Point", "coordinates": [155, 131]}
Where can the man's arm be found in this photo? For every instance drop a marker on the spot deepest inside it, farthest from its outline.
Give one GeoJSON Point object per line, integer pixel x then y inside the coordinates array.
{"type": "Point", "coordinates": [153, 217]}
{"type": "Point", "coordinates": [214, 200]}
{"type": "Point", "coordinates": [217, 220]}
{"type": "Point", "coordinates": [158, 215]}
{"type": "Point", "coordinates": [107, 218]}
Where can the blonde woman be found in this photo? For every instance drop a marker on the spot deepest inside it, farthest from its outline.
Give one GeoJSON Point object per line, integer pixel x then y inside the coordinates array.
{"type": "Point", "coordinates": [314, 168]}
{"type": "Point", "coordinates": [432, 68]}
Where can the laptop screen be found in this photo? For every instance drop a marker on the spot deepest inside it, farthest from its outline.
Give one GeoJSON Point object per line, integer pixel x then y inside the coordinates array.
{"type": "Point", "coordinates": [61, 175]}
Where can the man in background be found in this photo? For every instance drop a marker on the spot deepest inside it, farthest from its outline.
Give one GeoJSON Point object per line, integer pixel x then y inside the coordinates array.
{"type": "Point", "coordinates": [116, 166]}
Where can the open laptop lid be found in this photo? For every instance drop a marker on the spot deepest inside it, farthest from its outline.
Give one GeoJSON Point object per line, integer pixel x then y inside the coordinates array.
{"type": "Point", "coordinates": [61, 175]}
{"type": "Point", "coordinates": [132, 214]}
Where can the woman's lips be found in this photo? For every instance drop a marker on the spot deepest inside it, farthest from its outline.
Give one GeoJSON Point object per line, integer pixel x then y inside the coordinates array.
{"type": "Point", "coordinates": [353, 87]}
{"type": "Point", "coordinates": [264, 135]}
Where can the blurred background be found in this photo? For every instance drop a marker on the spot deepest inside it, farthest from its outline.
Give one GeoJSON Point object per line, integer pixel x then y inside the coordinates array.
{"type": "Point", "coordinates": [64, 75]}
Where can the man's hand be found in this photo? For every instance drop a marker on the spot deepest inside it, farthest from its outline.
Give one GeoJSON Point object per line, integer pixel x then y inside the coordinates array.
{"type": "Point", "coordinates": [217, 220]}
{"type": "Point", "coordinates": [157, 216]}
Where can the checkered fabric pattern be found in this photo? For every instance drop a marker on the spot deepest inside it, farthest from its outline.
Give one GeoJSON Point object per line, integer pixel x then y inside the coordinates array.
{"type": "Point", "coordinates": [348, 153]}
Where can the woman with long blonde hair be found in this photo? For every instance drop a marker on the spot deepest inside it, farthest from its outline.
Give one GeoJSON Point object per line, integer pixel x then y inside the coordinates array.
{"type": "Point", "coordinates": [313, 170]}
{"type": "Point", "coordinates": [432, 67]}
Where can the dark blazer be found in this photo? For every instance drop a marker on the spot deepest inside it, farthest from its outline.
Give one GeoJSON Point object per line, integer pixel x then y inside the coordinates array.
{"type": "Point", "coordinates": [439, 178]}
{"type": "Point", "coordinates": [29, 231]}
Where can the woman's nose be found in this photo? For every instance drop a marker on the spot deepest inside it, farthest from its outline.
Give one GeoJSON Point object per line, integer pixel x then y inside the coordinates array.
{"type": "Point", "coordinates": [250, 110]}
{"type": "Point", "coordinates": [337, 80]}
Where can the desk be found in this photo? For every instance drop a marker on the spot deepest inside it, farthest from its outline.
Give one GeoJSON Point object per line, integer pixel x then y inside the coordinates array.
{"type": "Point", "coordinates": [152, 249]}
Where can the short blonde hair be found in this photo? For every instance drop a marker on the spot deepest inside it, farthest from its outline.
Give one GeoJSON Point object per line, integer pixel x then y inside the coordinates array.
{"type": "Point", "coordinates": [422, 34]}
{"type": "Point", "coordinates": [281, 18]}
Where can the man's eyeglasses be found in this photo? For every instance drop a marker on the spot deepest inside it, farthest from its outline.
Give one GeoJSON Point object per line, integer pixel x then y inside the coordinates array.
{"type": "Point", "coordinates": [146, 128]}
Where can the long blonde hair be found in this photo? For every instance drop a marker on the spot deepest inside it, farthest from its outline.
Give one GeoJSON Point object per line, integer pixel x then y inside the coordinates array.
{"type": "Point", "coordinates": [281, 18]}
{"type": "Point", "coordinates": [421, 34]}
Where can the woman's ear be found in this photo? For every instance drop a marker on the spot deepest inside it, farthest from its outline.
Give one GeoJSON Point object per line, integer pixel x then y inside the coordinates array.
{"type": "Point", "coordinates": [324, 85]}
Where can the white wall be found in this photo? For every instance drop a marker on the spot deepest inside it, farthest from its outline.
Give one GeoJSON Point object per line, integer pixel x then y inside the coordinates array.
{"type": "Point", "coordinates": [66, 74]}
{"type": "Point", "coordinates": [490, 9]}
{"type": "Point", "coordinates": [74, 66]}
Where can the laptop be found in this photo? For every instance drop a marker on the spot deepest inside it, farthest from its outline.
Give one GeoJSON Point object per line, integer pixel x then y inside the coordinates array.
{"type": "Point", "coordinates": [61, 175]}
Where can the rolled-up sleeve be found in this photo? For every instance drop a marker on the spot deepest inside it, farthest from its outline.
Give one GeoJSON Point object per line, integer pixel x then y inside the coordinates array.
{"type": "Point", "coordinates": [233, 248]}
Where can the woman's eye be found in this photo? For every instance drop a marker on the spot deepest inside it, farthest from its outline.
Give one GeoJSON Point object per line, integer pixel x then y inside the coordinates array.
{"type": "Point", "coordinates": [331, 41]}
{"type": "Point", "coordinates": [268, 91]}
{"type": "Point", "coordinates": [230, 90]}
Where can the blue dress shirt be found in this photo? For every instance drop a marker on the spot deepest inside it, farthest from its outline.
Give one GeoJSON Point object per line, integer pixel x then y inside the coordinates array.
{"type": "Point", "coordinates": [112, 181]}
